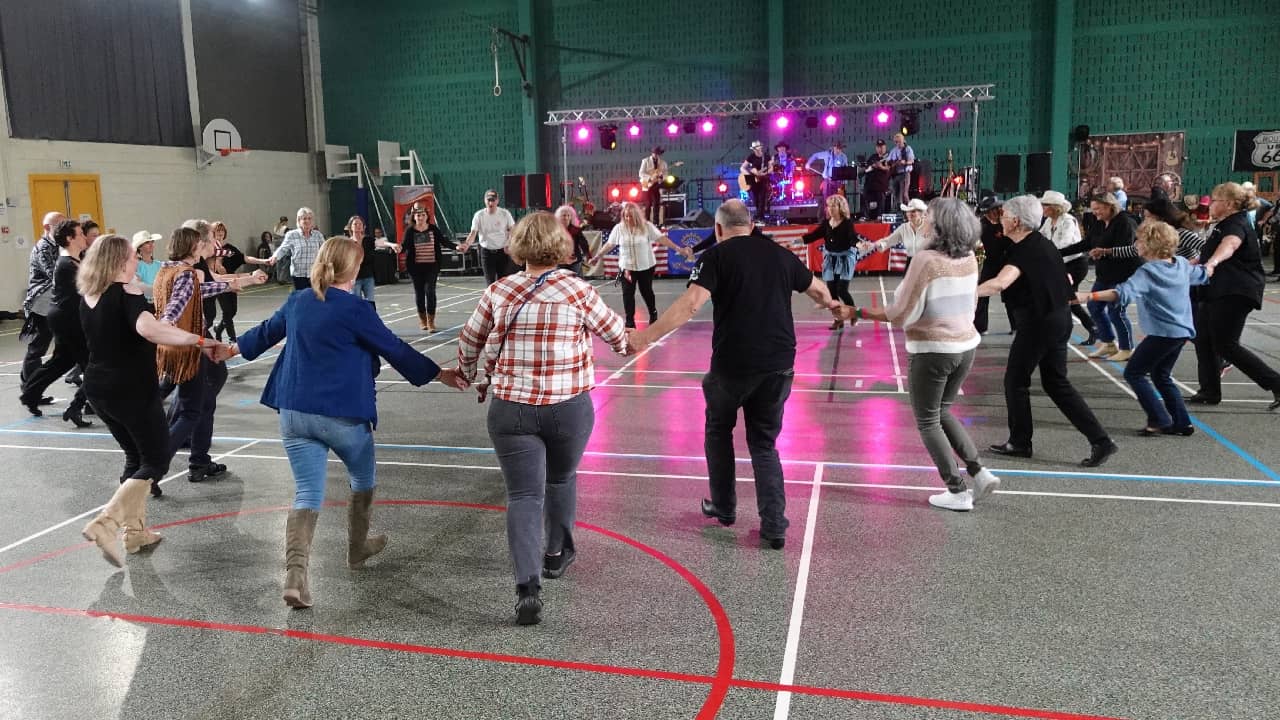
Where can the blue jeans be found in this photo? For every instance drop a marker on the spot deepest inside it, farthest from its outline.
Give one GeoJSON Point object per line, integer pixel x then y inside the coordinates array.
{"type": "Point", "coordinates": [363, 288]}
{"type": "Point", "coordinates": [1110, 318]}
{"type": "Point", "coordinates": [1156, 357]}
{"type": "Point", "coordinates": [308, 438]}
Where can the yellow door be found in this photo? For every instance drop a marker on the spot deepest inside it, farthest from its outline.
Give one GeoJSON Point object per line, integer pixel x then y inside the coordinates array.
{"type": "Point", "coordinates": [78, 196]}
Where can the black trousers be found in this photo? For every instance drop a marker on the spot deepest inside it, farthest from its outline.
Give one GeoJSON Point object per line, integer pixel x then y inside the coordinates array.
{"type": "Point", "coordinates": [191, 413]}
{"type": "Point", "coordinates": [496, 265]}
{"type": "Point", "coordinates": [1041, 342]}
{"type": "Point", "coordinates": [301, 283]}
{"type": "Point", "coordinates": [762, 399]}
{"type": "Point", "coordinates": [642, 279]}
{"type": "Point", "coordinates": [761, 193]}
{"type": "Point", "coordinates": [69, 350]}
{"type": "Point", "coordinates": [230, 304]}
{"type": "Point", "coordinates": [653, 207]}
{"type": "Point", "coordinates": [839, 290]}
{"type": "Point", "coordinates": [424, 286]}
{"type": "Point", "coordinates": [36, 349]}
{"type": "Point", "coordinates": [135, 417]}
{"type": "Point", "coordinates": [1078, 269]}
{"type": "Point", "coordinates": [980, 316]}
{"type": "Point", "coordinates": [1219, 324]}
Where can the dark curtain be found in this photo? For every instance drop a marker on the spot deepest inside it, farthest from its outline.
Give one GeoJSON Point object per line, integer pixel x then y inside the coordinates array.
{"type": "Point", "coordinates": [96, 71]}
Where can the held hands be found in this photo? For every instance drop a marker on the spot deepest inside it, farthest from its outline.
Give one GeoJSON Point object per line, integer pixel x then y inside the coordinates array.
{"type": "Point", "coordinates": [636, 342]}
{"type": "Point", "coordinates": [219, 352]}
{"type": "Point", "coordinates": [1099, 252]}
{"type": "Point", "coordinates": [840, 311]}
{"type": "Point", "coordinates": [1082, 298]}
{"type": "Point", "coordinates": [453, 378]}
{"type": "Point", "coordinates": [686, 253]}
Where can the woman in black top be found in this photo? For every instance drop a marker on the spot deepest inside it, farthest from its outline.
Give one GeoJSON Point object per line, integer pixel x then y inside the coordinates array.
{"type": "Point", "coordinates": [423, 246]}
{"type": "Point", "coordinates": [64, 321]}
{"type": "Point", "coordinates": [568, 218]}
{"type": "Point", "coordinates": [994, 246]}
{"type": "Point", "coordinates": [120, 381]}
{"type": "Point", "coordinates": [356, 230]}
{"type": "Point", "coordinates": [1234, 262]}
{"type": "Point", "coordinates": [839, 254]}
{"type": "Point", "coordinates": [1034, 285]}
{"type": "Point", "coordinates": [227, 259]}
{"type": "Point", "coordinates": [1114, 229]}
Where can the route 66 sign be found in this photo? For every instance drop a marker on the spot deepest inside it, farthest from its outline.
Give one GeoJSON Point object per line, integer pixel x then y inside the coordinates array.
{"type": "Point", "coordinates": [1256, 150]}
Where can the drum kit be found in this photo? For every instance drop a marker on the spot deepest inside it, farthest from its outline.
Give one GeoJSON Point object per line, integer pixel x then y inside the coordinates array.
{"type": "Point", "coordinates": [800, 186]}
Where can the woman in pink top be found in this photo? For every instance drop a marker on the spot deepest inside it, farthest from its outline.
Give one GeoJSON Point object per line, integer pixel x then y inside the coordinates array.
{"type": "Point", "coordinates": [934, 305]}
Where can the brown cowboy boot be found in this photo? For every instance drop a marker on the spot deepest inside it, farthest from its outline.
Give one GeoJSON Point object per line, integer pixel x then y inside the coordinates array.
{"type": "Point", "coordinates": [128, 501]}
{"type": "Point", "coordinates": [360, 544]}
{"type": "Point", "coordinates": [422, 321]}
{"type": "Point", "coordinates": [299, 529]}
{"type": "Point", "coordinates": [431, 322]}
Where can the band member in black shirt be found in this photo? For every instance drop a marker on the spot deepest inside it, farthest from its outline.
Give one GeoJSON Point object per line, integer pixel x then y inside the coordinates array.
{"type": "Point", "coordinates": [754, 178]}
{"type": "Point", "coordinates": [875, 189]}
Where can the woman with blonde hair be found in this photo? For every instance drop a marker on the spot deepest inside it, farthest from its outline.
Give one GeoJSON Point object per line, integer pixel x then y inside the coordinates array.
{"type": "Point", "coordinates": [322, 387]}
{"type": "Point", "coordinates": [532, 331]}
{"type": "Point", "coordinates": [120, 380]}
{"type": "Point", "coordinates": [634, 237]}
{"type": "Point", "coordinates": [568, 218]}
{"type": "Point", "coordinates": [1161, 288]}
{"type": "Point", "coordinates": [839, 251]}
{"type": "Point", "coordinates": [1234, 261]}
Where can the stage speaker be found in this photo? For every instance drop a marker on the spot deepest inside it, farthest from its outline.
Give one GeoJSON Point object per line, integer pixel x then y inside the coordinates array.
{"type": "Point", "coordinates": [699, 218]}
{"type": "Point", "coordinates": [1038, 172]}
{"type": "Point", "coordinates": [513, 191]}
{"type": "Point", "coordinates": [1008, 172]}
{"type": "Point", "coordinates": [803, 214]}
{"type": "Point", "coordinates": [673, 210]}
{"type": "Point", "coordinates": [602, 220]}
{"type": "Point", "coordinates": [537, 188]}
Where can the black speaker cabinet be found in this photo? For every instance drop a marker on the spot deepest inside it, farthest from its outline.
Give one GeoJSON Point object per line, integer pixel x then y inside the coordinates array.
{"type": "Point", "coordinates": [513, 191]}
{"type": "Point", "coordinates": [672, 210]}
{"type": "Point", "coordinates": [1008, 172]}
{"type": "Point", "coordinates": [537, 187]}
{"type": "Point", "coordinates": [1038, 172]}
{"type": "Point", "coordinates": [699, 218]}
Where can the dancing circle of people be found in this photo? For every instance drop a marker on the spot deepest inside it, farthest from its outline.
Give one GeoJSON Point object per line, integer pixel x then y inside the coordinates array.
{"type": "Point", "coordinates": [141, 330]}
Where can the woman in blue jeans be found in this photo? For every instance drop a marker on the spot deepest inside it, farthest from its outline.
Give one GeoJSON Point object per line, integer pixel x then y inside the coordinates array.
{"type": "Point", "coordinates": [1114, 230]}
{"type": "Point", "coordinates": [1161, 288]}
{"type": "Point", "coordinates": [322, 386]}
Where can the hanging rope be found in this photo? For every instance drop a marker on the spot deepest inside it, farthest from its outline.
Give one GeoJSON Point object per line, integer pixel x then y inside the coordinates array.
{"type": "Point", "coordinates": [493, 48]}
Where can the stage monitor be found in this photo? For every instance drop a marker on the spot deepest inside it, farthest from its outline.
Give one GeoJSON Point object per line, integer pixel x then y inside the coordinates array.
{"type": "Point", "coordinates": [1038, 172]}
{"type": "Point", "coordinates": [537, 188]}
{"type": "Point", "coordinates": [513, 191]}
{"type": "Point", "coordinates": [841, 174]}
{"type": "Point", "coordinates": [1008, 173]}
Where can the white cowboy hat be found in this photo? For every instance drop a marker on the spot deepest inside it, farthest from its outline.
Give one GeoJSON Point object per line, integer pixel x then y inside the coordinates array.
{"type": "Point", "coordinates": [915, 204]}
{"type": "Point", "coordinates": [142, 237]}
{"type": "Point", "coordinates": [1053, 197]}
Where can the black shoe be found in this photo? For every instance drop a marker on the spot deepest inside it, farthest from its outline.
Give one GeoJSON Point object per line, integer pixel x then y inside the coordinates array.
{"type": "Point", "coordinates": [75, 419]}
{"type": "Point", "coordinates": [1187, 431]}
{"type": "Point", "coordinates": [200, 473]}
{"type": "Point", "coordinates": [653, 316]}
{"type": "Point", "coordinates": [775, 543]}
{"type": "Point", "coordinates": [33, 408]}
{"type": "Point", "coordinates": [88, 409]}
{"type": "Point", "coordinates": [709, 509]}
{"type": "Point", "coordinates": [217, 332]}
{"type": "Point", "coordinates": [46, 400]}
{"type": "Point", "coordinates": [1099, 453]}
{"type": "Point", "coordinates": [155, 489]}
{"type": "Point", "coordinates": [1275, 401]}
{"type": "Point", "coordinates": [1153, 432]}
{"type": "Point", "coordinates": [528, 605]}
{"type": "Point", "coordinates": [74, 378]}
{"type": "Point", "coordinates": [553, 566]}
{"type": "Point", "coordinates": [1202, 399]}
{"type": "Point", "coordinates": [1093, 338]}
{"type": "Point", "coordinates": [1010, 450]}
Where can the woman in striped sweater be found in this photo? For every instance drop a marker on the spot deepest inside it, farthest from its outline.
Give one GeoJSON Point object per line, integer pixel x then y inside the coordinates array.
{"type": "Point", "coordinates": [935, 305]}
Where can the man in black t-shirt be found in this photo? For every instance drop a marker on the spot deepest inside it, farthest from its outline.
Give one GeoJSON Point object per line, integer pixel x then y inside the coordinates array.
{"type": "Point", "coordinates": [755, 173]}
{"type": "Point", "coordinates": [749, 280]}
{"type": "Point", "coordinates": [875, 189]}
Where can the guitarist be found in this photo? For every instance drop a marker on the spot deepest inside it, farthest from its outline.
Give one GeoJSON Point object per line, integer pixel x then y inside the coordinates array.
{"type": "Point", "coordinates": [754, 178]}
{"type": "Point", "coordinates": [652, 169]}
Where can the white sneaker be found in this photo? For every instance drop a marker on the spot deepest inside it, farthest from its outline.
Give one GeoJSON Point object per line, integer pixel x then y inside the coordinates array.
{"type": "Point", "coordinates": [984, 483]}
{"type": "Point", "coordinates": [947, 500]}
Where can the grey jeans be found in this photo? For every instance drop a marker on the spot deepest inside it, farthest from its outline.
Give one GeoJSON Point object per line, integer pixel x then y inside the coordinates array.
{"type": "Point", "coordinates": [539, 448]}
{"type": "Point", "coordinates": [934, 381]}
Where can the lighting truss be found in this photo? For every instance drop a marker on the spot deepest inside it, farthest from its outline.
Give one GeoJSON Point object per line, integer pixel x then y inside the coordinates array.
{"type": "Point", "coordinates": [844, 101]}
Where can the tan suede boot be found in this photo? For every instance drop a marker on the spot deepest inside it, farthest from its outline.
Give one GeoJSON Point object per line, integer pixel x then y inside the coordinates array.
{"type": "Point", "coordinates": [360, 544]}
{"type": "Point", "coordinates": [431, 322]}
{"type": "Point", "coordinates": [136, 534]}
{"type": "Point", "coordinates": [299, 529]}
{"type": "Point", "coordinates": [129, 500]}
{"type": "Point", "coordinates": [422, 321]}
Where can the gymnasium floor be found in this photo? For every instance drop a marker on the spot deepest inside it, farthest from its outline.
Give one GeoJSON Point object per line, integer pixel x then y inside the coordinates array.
{"type": "Point", "coordinates": [1145, 589]}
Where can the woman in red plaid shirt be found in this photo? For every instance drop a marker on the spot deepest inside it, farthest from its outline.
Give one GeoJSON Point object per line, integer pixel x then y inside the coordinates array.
{"type": "Point", "coordinates": [533, 332]}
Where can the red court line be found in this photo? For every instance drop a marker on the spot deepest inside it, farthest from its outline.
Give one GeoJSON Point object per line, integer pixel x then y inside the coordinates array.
{"type": "Point", "coordinates": [645, 673]}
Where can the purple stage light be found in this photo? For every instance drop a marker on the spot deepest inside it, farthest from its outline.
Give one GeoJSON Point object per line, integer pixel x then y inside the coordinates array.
{"type": "Point", "coordinates": [830, 120]}
{"type": "Point", "coordinates": [583, 133]}
{"type": "Point", "coordinates": [707, 127]}
{"type": "Point", "coordinates": [673, 128]}
{"type": "Point", "coordinates": [782, 123]}
{"type": "Point", "coordinates": [950, 112]}
{"type": "Point", "coordinates": [882, 117]}
{"type": "Point", "coordinates": [633, 130]}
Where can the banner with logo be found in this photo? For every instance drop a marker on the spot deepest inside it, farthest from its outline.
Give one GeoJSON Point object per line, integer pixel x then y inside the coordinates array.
{"type": "Point", "coordinates": [1256, 151]}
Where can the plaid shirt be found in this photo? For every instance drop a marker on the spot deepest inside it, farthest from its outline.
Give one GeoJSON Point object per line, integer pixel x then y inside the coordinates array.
{"type": "Point", "coordinates": [183, 290]}
{"type": "Point", "coordinates": [547, 357]}
{"type": "Point", "coordinates": [301, 250]}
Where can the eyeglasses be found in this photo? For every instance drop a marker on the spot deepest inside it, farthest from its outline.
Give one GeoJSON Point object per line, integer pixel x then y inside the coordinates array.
{"type": "Point", "coordinates": [491, 199]}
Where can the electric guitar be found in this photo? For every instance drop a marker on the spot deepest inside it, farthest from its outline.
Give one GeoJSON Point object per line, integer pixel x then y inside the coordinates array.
{"type": "Point", "coordinates": [655, 177]}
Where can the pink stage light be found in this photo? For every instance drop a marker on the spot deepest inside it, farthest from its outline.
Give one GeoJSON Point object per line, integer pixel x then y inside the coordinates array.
{"type": "Point", "coordinates": [723, 188]}
{"type": "Point", "coordinates": [949, 113]}
{"type": "Point", "coordinates": [673, 128]}
{"type": "Point", "coordinates": [707, 127]}
{"type": "Point", "coordinates": [830, 120]}
{"type": "Point", "coordinates": [882, 117]}
{"type": "Point", "coordinates": [782, 123]}
{"type": "Point", "coordinates": [583, 133]}
{"type": "Point", "coordinates": [799, 186]}
{"type": "Point", "coordinates": [633, 130]}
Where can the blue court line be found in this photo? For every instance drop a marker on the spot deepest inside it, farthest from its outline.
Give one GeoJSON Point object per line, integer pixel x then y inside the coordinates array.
{"type": "Point", "coordinates": [1208, 430]}
{"type": "Point", "coordinates": [463, 450]}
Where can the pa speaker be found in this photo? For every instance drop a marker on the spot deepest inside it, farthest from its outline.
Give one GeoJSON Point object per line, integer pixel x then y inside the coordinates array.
{"type": "Point", "coordinates": [699, 218]}
{"type": "Point", "coordinates": [1038, 172]}
{"type": "Point", "coordinates": [513, 191]}
{"type": "Point", "coordinates": [537, 187]}
{"type": "Point", "coordinates": [1008, 172]}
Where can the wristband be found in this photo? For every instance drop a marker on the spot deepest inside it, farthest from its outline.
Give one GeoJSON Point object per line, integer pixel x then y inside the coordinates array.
{"type": "Point", "coordinates": [857, 312]}
{"type": "Point", "coordinates": [199, 341]}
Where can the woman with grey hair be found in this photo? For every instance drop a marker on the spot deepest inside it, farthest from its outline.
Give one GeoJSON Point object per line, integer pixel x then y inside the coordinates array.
{"type": "Point", "coordinates": [568, 218]}
{"type": "Point", "coordinates": [935, 304]}
{"type": "Point", "coordinates": [1034, 284]}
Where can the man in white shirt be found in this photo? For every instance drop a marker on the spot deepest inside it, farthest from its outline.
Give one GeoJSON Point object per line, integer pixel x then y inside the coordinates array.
{"type": "Point", "coordinates": [824, 163]}
{"type": "Point", "coordinates": [493, 227]}
{"type": "Point", "coordinates": [652, 170]}
{"type": "Point", "coordinates": [901, 160]}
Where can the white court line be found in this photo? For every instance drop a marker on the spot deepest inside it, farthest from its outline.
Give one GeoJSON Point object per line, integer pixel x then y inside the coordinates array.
{"type": "Point", "coordinates": [87, 513]}
{"type": "Point", "coordinates": [893, 344]}
{"type": "Point", "coordinates": [819, 391]}
{"type": "Point", "coordinates": [1096, 366]}
{"type": "Point", "coordinates": [700, 373]}
{"type": "Point", "coordinates": [782, 708]}
{"type": "Point", "coordinates": [618, 373]}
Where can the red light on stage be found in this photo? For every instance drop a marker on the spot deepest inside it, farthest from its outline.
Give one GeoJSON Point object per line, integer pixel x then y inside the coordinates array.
{"type": "Point", "coordinates": [615, 193]}
{"type": "Point", "coordinates": [882, 117]}
{"type": "Point", "coordinates": [799, 186]}
{"type": "Point", "coordinates": [583, 133]}
{"type": "Point", "coordinates": [957, 180]}
{"type": "Point", "coordinates": [723, 188]}
{"type": "Point", "coordinates": [633, 192]}
{"type": "Point", "coordinates": [830, 120]}
{"type": "Point", "coordinates": [782, 122]}
{"type": "Point", "coordinates": [673, 128]}
{"type": "Point", "coordinates": [633, 130]}
{"type": "Point", "coordinates": [949, 113]}
{"type": "Point", "coordinates": [707, 127]}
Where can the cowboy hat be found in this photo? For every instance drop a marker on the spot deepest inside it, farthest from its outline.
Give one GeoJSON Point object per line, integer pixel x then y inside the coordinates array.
{"type": "Point", "coordinates": [1053, 197]}
{"type": "Point", "coordinates": [142, 237]}
{"type": "Point", "coordinates": [915, 204]}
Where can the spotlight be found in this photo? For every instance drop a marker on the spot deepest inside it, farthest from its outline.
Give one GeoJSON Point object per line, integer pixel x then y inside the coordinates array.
{"type": "Point", "coordinates": [722, 188]}
{"type": "Point", "coordinates": [811, 121]}
{"type": "Point", "coordinates": [673, 128]}
{"type": "Point", "coordinates": [830, 120]}
{"type": "Point", "coordinates": [782, 122]}
{"type": "Point", "coordinates": [753, 122]}
{"type": "Point", "coordinates": [583, 133]}
{"type": "Point", "coordinates": [707, 126]}
{"type": "Point", "coordinates": [633, 130]}
{"type": "Point", "coordinates": [957, 180]}
{"type": "Point", "coordinates": [633, 192]}
{"type": "Point", "coordinates": [690, 127]}
{"type": "Point", "coordinates": [949, 113]}
{"type": "Point", "coordinates": [671, 182]}
{"type": "Point", "coordinates": [615, 193]}
{"type": "Point", "coordinates": [608, 137]}
{"type": "Point", "coordinates": [799, 186]}
{"type": "Point", "coordinates": [882, 117]}
{"type": "Point", "coordinates": [910, 122]}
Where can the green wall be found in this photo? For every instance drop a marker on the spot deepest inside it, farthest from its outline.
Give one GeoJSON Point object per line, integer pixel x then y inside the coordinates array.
{"type": "Point", "coordinates": [422, 74]}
